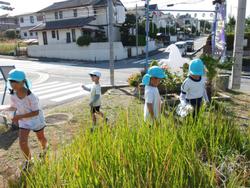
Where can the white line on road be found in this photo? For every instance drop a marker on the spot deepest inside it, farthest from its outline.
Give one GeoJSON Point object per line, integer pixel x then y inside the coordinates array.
{"type": "Point", "coordinates": [44, 84]}
{"type": "Point", "coordinates": [58, 88]}
{"type": "Point", "coordinates": [66, 97]}
{"type": "Point", "coordinates": [60, 93]}
{"type": "Point", "coordinates": [50, 86]}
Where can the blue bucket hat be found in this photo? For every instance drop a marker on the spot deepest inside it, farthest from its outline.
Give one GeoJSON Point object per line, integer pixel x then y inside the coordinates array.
{"type": "Point", "coordinates": [196, 67]}
{"type": "Point", "coordinates": [153, 72]}
{"type": "Point", "coordinates": [18, 76]}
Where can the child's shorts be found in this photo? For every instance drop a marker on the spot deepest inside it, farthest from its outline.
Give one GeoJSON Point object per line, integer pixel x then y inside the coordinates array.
{"type": "Point", "coordinates": [33, 130]}
{"type": "Point", "coordinates": [95, 109]}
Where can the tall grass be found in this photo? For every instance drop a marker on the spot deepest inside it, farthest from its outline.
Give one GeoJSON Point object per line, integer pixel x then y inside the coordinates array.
{"type": "Point", "coordinates": [132, 154]}
{"type": "Point", "coordinates": [7, 47]}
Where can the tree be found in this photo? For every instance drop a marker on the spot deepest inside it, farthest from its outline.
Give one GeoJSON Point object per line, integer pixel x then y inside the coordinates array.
{"type": "Point", "coordinates": [231, 24]}
{"type": "Point", "coordinates": [10, 34]}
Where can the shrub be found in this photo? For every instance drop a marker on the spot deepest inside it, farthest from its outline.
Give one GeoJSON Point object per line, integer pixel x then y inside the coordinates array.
{"type": "Point", "coordinates": [171, 84]}
{"type": "Point", "coordinates": [131, 40]}
{"type": "Point", "coordinates": [10, 34]}
{"type": "Point", "coordinates": [83, 40]}
{"type": "Point", "coordinates": [230, 41]}
{"type": "Point", "coordinates": [135, 79]}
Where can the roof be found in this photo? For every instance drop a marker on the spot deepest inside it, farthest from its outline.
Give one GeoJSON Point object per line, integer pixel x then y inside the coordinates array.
{"type": "Point", "coordinates": [69, 4]}
{"type": "Point", "coordinates": [26, 14]}
{"type": "Point", "coordinates": [63, 24]}
{"type": "Point", "coordinates": [76, 3]}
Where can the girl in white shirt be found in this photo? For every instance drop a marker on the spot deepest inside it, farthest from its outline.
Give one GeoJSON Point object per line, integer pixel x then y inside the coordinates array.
{"type": "Point", "coordinates": [193, 89]}
{"type": "Point", "coordinates": [28, 116]}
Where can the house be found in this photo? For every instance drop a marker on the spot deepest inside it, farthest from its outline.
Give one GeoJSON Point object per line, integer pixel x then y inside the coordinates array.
{"type": "Point", "coordinates": [187, 22]}
{"type": "Point", "coordinates": [7, 22]}
{"type": "Point", "coordinates": [64, 22]}
{"type": "Point", "coordinates": [27, 22]}
{"type": "Point", "coordinates": [154, 13]}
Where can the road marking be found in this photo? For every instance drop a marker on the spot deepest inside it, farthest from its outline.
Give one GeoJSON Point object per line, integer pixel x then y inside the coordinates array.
{"type": "Point", "coordinates": [66, 97]}
{"type": "Point", "coordinates": [60, 93]}
{"type": "Point", "coordinates": [44, 84]}
{"type": "Point", "coordinates": [50, 86]}
{"type": "Point", "coordinates": [58, 88]}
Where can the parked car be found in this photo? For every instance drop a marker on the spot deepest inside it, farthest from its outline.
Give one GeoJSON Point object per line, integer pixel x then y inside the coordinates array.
{"type": "Point", "coordinates": [182, 46]}
{"type": "Point", "coordinates": [190, 45]}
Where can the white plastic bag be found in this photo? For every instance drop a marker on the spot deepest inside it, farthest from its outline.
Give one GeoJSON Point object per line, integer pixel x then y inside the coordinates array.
{"type": "Point", "coordinates": [184, 109]}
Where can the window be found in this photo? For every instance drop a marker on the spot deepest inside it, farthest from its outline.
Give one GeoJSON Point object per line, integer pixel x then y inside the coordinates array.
{"type": "Point", "coordinates": [31, 34]}
{"type": "Point", "coordinates": [53, 33]}
{"type": "Point", "coordinates": [57, 34]}
{"type": "Point", "coordinates": [75, 12]}
{"type": "Point", "coordinates": [45, 40]}
{"type": "Point", "coordinates": [60, 14]}
{"type": "Point", "coordinates": [32, 19]}
{"type": "Point", "coordinates": [25, 34]}
{"type": "Point", "coordinates": [21, 20]}
{"type": "Point", "coordinates": [68, 38]}
{"type": "Point", "coordinates": [73, 35]}
{"type": "Point", "coordinates": [56, 15]}
{"type": "Point", "coordinates": [36, 33]}
{"type": "Point", "coordinates": [85, 33]}
{"type": "Point", "coordinates": [39, 18]}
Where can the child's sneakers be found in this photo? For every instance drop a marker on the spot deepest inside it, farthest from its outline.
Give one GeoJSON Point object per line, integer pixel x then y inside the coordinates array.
{"type": "Point", "coordinates": [26, 165]}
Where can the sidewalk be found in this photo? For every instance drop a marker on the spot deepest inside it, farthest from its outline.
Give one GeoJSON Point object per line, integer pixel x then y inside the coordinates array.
{"type": "Point", "coordinates": [43, 59]}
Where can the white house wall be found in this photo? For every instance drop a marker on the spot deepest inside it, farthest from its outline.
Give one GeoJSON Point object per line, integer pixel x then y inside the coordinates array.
{"type": "Point", "coordinates": [62, 36]}
{"type": "Point", "coordinates": [69, 13]}
{"type": "Point", "coordinates": [93, 52]}
{"type": "Point", "coordinates": [27, 22]}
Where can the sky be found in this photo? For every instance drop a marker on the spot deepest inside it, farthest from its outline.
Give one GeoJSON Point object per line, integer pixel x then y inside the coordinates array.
{"type": "Point", "coordinates": [27, 6]}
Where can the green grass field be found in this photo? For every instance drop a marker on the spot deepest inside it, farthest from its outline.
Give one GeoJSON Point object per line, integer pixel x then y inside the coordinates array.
{"type": "Point", "coordinates": [210, 152]}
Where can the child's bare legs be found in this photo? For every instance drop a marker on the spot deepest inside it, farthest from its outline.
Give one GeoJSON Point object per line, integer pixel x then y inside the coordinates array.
{"type": "Point", "coordinates": [23, 143]}
{"type": "Point", "coordinates": [93, 118]}
{"type": "Point", "coordinates": [41, 137]}
{"type": "Point", "coordinates": [100, 114]}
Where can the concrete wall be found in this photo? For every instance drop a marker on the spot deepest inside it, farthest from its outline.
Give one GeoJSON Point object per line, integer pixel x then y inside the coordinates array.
{"type": "Point", "coordinates": [95, 51]}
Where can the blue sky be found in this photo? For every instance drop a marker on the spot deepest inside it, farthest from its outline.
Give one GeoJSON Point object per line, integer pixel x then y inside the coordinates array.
{"type": "Point", "coordinates": [25, 6]}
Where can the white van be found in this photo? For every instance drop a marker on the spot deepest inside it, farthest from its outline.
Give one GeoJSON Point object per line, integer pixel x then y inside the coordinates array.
{"type": "Point", "coordinates": [182, 46]}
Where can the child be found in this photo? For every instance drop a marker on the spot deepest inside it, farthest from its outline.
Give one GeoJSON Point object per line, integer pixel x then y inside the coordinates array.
{"type": "Point", "coordinates": [152, 107]}
{"type": "Point", "coordinates": [95, 96]}
{"type": "Point", "coordinates": [193, 88]}
{"type": "Point", "coordinates": [28, 116]}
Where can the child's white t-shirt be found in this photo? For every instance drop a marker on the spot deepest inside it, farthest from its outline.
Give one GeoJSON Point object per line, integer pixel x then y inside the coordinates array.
{"type": "Point", "coordinates": [95, 90]}
{"type": "Point", "coordinates": [26, 105]}
{"type": "Point", "coordinates": [152, 96]}
{"type": "Point", "coordinates": [193, 89]}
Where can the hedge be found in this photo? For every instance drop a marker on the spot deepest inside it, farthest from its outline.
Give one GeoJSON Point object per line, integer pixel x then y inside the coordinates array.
{"type": "Point", "coordinates": [131, 40]}
{"type": "Point", "coordinates": [230, 41]}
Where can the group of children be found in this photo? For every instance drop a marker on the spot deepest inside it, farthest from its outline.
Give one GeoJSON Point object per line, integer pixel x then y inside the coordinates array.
{"type": "Point", "coordinates": [29, 115]}
{"type": "Point", "coordinates": [193, 90]}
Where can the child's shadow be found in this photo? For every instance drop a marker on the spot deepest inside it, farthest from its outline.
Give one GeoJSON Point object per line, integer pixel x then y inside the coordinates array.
{"type": "Point", "coordinates": [8, 138]}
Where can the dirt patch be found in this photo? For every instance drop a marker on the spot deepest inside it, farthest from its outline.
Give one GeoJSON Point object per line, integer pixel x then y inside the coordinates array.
{"type": "Point", "coordinates": [58, 118]}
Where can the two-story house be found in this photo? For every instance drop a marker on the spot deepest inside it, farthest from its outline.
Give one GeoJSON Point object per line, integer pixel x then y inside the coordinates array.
{"type": "Point", "coordinates": [65, 21]}
{"type": "Point", "coordinates": [27, 22]}
{"type": "Point", "coordinates": [7, 22]}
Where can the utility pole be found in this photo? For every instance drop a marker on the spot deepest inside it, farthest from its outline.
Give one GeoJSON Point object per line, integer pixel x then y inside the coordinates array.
{"type": "Point", "coordinates": [238, 44]}
{"type": "Point", "coordinates": [111, 44]}
{"type": "Point", "coordinates": [147, 31]}
{"type": "Point", "coordinates": [137, 31]}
